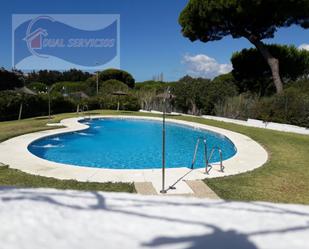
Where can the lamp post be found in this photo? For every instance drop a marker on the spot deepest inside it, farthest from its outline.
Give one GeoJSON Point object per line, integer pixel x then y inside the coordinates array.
{"type": "Point", "coordinates": [167, 94]}
{"type": "Point", "coordinates": [48, 92]}
{"type": "Point", "coordinates": [49, 89]}
{"type": "Point", "coordinates": [97, 78]}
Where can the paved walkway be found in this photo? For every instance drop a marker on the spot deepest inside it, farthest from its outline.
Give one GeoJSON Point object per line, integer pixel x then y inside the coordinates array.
{"type": "Point", "coordinates": [49, 219]}
{"type": "Point", "coordinates": [249, 122]}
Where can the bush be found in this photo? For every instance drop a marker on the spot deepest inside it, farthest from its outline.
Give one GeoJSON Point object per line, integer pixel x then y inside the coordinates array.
{"type": "Point", "coordinates": [33, 105]}
{"type": "Point", "coordinates": [237, 107]}
{"type": "Point", "coordinates": [130, 103]}
{"type": "Point", "coordinates": [37, 87]}
{"type": "Point", "coordinates": [290, 107]}
{"type": "Point", "coordinates": [10, 104]}
{"type": "Point", "coordinates": [69, 87]}
{"type": "Point", "coordinates": [199, 96]}
{"type": "Point", "coordinates": [93, 103]}
{"type": "Point", "coordinates": [127, 103]}
{"type": "Point", "coordinates": [60, 104]}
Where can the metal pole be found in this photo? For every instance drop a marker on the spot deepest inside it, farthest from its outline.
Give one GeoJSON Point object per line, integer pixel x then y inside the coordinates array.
{"type": "Point", "coordinates": [49, 117]}
{"type": "Point", "coordinates": [20, 110]}
{"type": "Point", "coordinates": [163, 191]}
{"type": "Point", "coordinates": [97, 82]}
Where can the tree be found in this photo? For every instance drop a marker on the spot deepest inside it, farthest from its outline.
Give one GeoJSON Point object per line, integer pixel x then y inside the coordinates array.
{"type": "Point", "coordinates": [253, 74]}
{"type": "Point", "coordinates": [146, 98]}
{"type": "Point", "coordinates": [111, 86]}
{"type": "Point", "coordinates": [199, 96]}
{"type": "Point", "coordinates": [75, 75]}
{"type": "Point", "coordinates": [50, 77]}
{"type": "Point", "coordinates": [116, 74]}
{"type": "Point", "coordinates": [189, 92]}
{"type": "Point", "coordinates": [249, 63]}
{"type": "Point", "coordinates": [10, 80]}
{"type": "Point", "coordinates": [211, 20]}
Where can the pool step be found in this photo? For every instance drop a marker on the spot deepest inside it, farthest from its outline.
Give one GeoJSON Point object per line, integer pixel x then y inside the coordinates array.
{"type": "Point", "coordinates": [201, 190]}
{"type": "Point", "coordinates": [145, 188]}
{"type": "Point", "coordinates": [198, 187]}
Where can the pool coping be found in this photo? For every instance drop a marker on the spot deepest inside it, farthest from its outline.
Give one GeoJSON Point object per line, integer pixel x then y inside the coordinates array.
{"type": "Point", "coordinates": [14, 152]}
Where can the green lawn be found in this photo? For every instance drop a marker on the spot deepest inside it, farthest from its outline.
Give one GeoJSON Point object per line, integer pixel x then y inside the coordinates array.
{"type": "Point", "coordinates": [12, 177]}
{"type": "Point", "coordinates": [284, 178]}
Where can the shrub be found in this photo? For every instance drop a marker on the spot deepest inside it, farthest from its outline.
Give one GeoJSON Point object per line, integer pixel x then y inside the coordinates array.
{"type": "Point", "coordinates": [69, 87]}
{"type": "Point", "coordinates": [10, 104]}
{"type": "Point", "coordinates": [199, 96]}
{"type": "Point", "coordinates": [237, 107]}
{"type": "Point", "coordinates": [128, 103]}
{"type": "Point", "coordinates": [291, 107]}
{"type": "Point", "coordinates": [33, 105]}
{"type": "Point", "coordinates": [60, 104]}
{"type": "Point", "coordinates": [37, 87]}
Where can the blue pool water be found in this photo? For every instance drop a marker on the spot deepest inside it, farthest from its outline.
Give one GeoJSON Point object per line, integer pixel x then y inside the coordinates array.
{"type": "Point", "coordinates": [129, 144]}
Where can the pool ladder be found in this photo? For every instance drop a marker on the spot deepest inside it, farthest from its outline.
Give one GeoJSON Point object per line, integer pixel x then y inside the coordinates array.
{"type": "Point", "coordinates": [208, 166]}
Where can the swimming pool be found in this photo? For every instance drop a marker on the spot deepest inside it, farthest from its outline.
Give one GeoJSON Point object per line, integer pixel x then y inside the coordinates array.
{"type": "Point", "coordinates": [129, 144]}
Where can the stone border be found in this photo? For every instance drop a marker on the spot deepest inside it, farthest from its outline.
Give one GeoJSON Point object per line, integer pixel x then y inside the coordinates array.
{"type": "Point", "coordinates": [14, 152]}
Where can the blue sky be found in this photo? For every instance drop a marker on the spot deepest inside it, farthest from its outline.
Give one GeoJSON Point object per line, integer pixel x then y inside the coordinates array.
{"type": "Point", "coordinates": [151, 41]}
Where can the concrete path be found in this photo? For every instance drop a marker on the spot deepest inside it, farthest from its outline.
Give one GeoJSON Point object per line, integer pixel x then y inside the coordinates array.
{"type": "Point", "coordinates": [49, 219]}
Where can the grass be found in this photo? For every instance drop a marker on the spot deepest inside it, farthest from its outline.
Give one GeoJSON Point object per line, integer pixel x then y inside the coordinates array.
{"type": "Point", "coordinates": [17, 178]}
{"type": "Point", "coordinates": [284, 178]}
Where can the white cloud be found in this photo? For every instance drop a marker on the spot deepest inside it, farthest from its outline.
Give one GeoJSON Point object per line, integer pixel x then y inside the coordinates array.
{"type": "Point", "coordinates": [304, 46]}
{"type": "Point", "coordinates": [202, 65]}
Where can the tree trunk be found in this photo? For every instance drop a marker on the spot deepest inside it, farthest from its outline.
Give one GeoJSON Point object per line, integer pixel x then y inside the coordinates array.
{"type": "Point", "coordinates": [271, 61]}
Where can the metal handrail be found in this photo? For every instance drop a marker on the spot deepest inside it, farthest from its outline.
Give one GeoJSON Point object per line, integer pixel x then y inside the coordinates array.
{"type": "Point", "coordinates": [207, 165]}
{"type": "Point", "coordinates": [220, 153]}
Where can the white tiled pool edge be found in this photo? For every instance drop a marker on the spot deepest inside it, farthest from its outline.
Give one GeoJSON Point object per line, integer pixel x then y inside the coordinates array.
{"type": "Point", "coordinates": [250, 155]}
